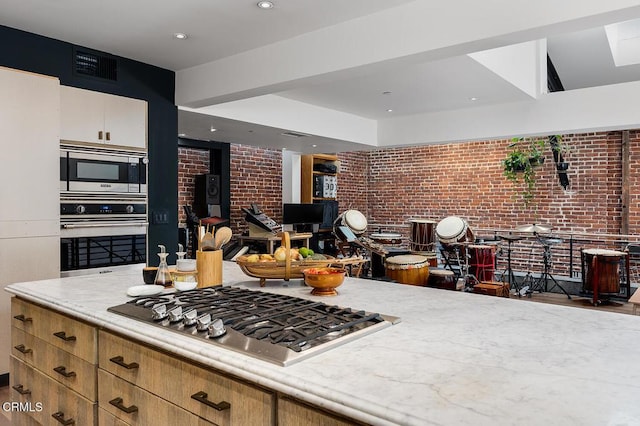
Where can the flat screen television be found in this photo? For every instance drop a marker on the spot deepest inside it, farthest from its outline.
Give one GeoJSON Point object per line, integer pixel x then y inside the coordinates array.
{"type": "Point", "coordinates": [303, 214]}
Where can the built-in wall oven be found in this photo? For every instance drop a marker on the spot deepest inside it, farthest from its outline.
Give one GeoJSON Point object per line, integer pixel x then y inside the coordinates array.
{"type": "Point", "coordinates": [103, 209]}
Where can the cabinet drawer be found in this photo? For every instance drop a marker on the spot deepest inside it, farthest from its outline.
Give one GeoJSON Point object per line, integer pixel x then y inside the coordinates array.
{"type": "Point", "coordinates": [210, 395]}
{"type": "Point", "coordinates": [63, 367]}
{"type": "Point", "coordinates": [61, 331]}
{"type": "Point", "coordinates": [51, 403]}
{"type": "Point", "coordinates": [136, 406]}
{"type": "Point", "coordinates": [105, 418]}
{"type": "Point", "coordinates": [291, 413]}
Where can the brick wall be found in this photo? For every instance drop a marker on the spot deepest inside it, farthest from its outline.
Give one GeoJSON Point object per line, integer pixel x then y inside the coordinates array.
{"type": "Point", "coordinates": [256, 177]}
{"type": "Point", "coordinates": [466, 180]}
{"type": "Point", "coordinates": [391, 186]}
{"type": "Point", "coordinates": [191, 162]}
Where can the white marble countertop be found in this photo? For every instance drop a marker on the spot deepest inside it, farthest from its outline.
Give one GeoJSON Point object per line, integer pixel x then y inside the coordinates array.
{"type": "Point", "coordinates": [455, 358]}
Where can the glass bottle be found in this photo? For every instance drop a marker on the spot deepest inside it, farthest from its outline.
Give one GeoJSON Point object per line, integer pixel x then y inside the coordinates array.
{"type": "Point", "coordinates": [163, 277]}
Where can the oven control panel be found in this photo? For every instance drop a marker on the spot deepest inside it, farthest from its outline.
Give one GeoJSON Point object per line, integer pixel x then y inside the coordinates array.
{"type": "Point", "coordinates": [101, 208]}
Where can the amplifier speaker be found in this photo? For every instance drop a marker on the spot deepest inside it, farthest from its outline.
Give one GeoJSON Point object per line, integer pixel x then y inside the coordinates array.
{"type": "Point", "coordinates": [207, 189]}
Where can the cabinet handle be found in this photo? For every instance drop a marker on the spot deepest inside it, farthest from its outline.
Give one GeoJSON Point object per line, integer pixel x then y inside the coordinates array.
{"type": "Point", "coordinates": [100, 135]}
{"type": "Point", "coordinates": [22, 349]}
{"type": "Point", "coordinates": [108, 137]}
{"type": "Point", "coordinates": [21, 390]}
{"type": "Point", "coordinates": [62, 370]}
{"type": "Point", "coordinates": [23, 318]}
{"type": "Point", "coordinates": [117, 402]}
{"type": "Point", "coordinates": [59, 416]}
{"type": "Point", "coordinates": [120, 361]}
{"type": "Point", "coordinates": [202, 397]}
{"type": "Point", "coordinates": [62, 335]}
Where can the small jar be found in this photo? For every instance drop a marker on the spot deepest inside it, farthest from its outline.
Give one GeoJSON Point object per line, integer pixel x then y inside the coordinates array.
{"type": "Point", "coordinates": [185, 280]}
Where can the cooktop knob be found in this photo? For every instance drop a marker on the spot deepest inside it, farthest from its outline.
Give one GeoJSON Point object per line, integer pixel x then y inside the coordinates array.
{"type": "Point", "coordinates": [216, 328]}
{"type": "Point", "coordinates": [80, 209]}
{"type": "Point", "coordinates": [130, 209]}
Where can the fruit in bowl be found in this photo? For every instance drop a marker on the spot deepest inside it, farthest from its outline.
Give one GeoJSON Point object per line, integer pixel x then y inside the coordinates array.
{"type": "Point", "coordinates": [324, 280]}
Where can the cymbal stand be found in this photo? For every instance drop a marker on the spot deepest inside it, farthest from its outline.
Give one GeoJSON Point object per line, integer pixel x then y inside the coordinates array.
{"type": "Point", "coordinates": [546, 275]}
{"type": "Point", "coordinates": [511, 279]}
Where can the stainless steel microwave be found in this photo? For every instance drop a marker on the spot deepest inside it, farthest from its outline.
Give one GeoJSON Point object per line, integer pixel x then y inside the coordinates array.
{"type": "Point", "coordinates": [86, 171]}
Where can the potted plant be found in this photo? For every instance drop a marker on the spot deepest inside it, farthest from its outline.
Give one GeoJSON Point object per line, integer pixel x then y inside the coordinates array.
{"type": "Point", "coordinates": [520, 163]}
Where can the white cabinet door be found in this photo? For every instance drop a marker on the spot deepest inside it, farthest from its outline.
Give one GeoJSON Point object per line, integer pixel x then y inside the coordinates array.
{"type": "Point", "coordinates": [29, 195]}
{"type": "Point", "coordinates": [94, 117]}
{"type": "Point", "coordinates": [81, 115]}
{"type": "Point", "coordinates": [125, 121]}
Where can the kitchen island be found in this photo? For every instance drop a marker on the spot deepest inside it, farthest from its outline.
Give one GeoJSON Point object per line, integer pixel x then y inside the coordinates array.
{"type": "Point", "coordinates": [454, 358]}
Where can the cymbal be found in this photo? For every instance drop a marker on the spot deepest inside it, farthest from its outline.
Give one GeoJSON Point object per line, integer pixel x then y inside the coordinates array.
{"type": "Point", "coordinates": [510, 237]}
{"type": "Point", "coordinates": [534, 228]}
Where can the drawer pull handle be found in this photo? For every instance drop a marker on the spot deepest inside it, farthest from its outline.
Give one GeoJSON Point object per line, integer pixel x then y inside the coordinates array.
{"type": "Point", "coordinates": [62, 335]}
{"type": "Point", "coordinates": [120, 361]}
{"type": "Point", "coordinates": [23, 318]}
{"type": "Point", "coordinates": [117, 402]}
{"type": "Point", "coordinates": [23, 349]}
{"type": "Point", "coordinates": [62, 370]}
{"type": "Point", "coordinates": [202, 397]}
{"type": "Point", "coordinates": [59, 416]}
{"type": "Point", "coordinates": [21, 390]}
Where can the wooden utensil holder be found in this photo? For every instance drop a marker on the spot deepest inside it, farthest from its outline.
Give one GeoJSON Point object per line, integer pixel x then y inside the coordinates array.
{"type": "Point", "coordinates": [209, 266]}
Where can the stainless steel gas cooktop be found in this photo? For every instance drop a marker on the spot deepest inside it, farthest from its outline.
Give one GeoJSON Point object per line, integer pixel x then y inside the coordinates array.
{"type": "Point", "coordinates": [272, 327]}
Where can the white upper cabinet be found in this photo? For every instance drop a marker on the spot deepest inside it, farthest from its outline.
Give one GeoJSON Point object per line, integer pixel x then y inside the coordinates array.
{"type": "Point", "coordinates": [94, 117]}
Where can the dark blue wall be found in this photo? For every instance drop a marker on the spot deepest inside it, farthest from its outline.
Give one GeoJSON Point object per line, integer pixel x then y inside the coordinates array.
{"type": "Point", "coordinates": [42, 55]}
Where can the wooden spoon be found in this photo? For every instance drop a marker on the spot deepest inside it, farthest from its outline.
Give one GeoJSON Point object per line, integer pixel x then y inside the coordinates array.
{"type": "Point", "coordinates": [223, 236]}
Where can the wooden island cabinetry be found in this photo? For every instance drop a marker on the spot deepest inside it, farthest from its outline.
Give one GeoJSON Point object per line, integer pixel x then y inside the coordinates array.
{"type": "Point", "coordinates": [82, 375]}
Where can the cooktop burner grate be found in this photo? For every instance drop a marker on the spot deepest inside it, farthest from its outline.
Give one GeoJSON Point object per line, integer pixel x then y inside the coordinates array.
{"type": "Point", "coordinates": [273, 327]}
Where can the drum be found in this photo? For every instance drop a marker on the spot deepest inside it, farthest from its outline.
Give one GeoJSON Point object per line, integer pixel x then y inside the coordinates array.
{"type": "Point", "coordinates": [408, 269]}
{"type": "Point", "coordinates": [441, 278]}
{"type": "Point", "coordinates": [453, 229]}
{"type": "Point", "coordinates": [601, 270]}
{"type": "Point", "coordinates": [423, 235]}
{"type": "Point", "coordinates": [481, 261]}
{"type": "Point", "coordinates": [352, 219]}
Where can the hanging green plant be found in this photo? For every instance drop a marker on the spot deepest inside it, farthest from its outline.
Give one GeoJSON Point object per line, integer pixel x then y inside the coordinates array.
{"type": "Point", "coordinates": [520, 164]}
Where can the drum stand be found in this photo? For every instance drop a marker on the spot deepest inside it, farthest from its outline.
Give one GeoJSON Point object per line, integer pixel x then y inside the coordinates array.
{"type": "Point", "coordinates": [511, 279]}
{"type": "Point", "coordinates": [546, 275]}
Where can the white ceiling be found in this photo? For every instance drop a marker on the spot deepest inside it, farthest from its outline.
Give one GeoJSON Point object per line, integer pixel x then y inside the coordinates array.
{"type": "Point", "coordinates": [219, 30]}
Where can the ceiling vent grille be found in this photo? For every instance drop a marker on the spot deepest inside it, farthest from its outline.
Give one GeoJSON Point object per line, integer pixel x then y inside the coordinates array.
{"type": "Point", "coordinates": [294, 134]}
{"type": "Point", "coordinates": [96, 65]}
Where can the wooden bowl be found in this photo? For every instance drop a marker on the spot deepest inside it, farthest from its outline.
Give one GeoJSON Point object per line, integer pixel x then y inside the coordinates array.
{"type": "Point", "coordinates": [324, 280]}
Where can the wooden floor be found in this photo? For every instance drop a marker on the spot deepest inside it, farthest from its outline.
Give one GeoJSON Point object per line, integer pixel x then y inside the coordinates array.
{"type": "Point", "coordinates": [5, 416]}
{"type": "Point", "coordinates": [618, 306]}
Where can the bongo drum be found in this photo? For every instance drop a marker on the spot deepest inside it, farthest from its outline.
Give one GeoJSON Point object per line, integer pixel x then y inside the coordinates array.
{"type": "Point", "coordinates": [441, 278]}
{"type": "Point", "coordinates": [408, 269]}
{"type": "Point", "coordinates": [422, 235]}
{"type": "Point", "coordinates": [481, 261]}
{"type": "Point", "coordinates": [352, 219]}
{"type": "Point", "coordinates": [601, 270]}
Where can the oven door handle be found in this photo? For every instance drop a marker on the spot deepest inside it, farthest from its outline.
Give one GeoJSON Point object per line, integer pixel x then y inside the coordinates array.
{"type": "Point", "coordinates": [101, 225]}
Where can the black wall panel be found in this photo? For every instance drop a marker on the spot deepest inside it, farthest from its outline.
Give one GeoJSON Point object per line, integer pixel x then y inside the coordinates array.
{"type": "Point", "coordinates": [43, 55]}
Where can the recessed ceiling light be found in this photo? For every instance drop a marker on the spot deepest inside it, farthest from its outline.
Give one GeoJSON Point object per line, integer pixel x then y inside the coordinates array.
{"type": "Point", "coordinates": [473, 98]}
{"type": "Point", "coordinates": [314, 145]}
{"type": "Point", "coordinates": [180, 36]}
{"type": "Point", "coordinates": [389, 110]}
{"type": "Point", "coordinates": [213, 129]}
{"type": "Point", "coordinates": [182, 135]}
{"type": "Point", "coordinates": [265, 5]}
